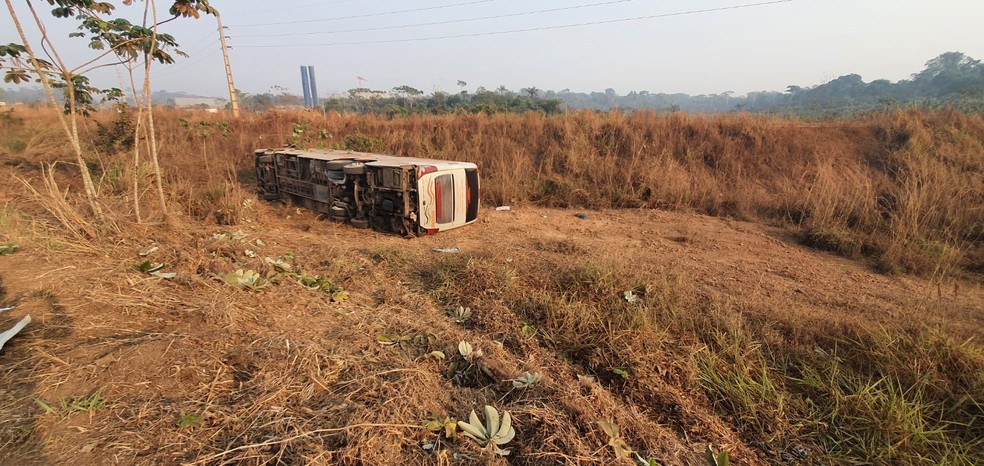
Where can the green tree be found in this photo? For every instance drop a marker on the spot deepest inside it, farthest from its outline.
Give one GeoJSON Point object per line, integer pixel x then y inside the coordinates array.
{"type": "Point", "coordinates": [949, 63]}
{"type": "Point", "coordinates": [407, 95]}
{"type": "Point", "coordinates": [114, 40]}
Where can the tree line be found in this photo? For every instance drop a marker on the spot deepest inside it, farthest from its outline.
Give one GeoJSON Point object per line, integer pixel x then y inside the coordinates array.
{"type": "Point", "coordinates": [950, 79]}
{"type": "Point", "coordinates": [407, 100]}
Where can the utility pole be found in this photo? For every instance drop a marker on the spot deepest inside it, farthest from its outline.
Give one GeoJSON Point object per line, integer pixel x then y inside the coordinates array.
{"type": "Point", "coordinates": [225, 55]}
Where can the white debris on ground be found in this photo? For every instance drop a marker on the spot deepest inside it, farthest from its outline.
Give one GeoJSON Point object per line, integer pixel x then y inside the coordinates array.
{"type": "Point", "coordinates": [6, 336]}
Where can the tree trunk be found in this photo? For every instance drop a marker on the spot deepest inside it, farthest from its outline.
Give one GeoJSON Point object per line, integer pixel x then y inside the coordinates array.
{"type": "Point", "coordinates": [136, 143]}
{"type": "Point", "coordinates": [71, 131]}
{"type": "Point", "coordinates": [151, 131]}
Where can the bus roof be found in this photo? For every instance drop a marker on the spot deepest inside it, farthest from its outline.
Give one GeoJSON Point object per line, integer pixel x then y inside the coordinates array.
{"type": "Point", "coordinates": [376, 160]}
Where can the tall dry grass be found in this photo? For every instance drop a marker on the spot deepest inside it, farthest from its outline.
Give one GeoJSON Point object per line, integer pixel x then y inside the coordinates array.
{"type": "Point", "coordinates": [903, 188]}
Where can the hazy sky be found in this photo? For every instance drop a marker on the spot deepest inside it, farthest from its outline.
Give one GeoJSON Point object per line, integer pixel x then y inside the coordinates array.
{"type": "Point", "coordinates": [766, 47]}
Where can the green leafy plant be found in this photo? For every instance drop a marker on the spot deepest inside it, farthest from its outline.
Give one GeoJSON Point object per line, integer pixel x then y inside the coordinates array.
{"type": "Point", "coordinates": [441, 425]}
{"type": "Point", "coordinates": [45, 406]}
{"type": "Point", "coordinates": [392, 340]}
{"type": "Point", "coordinates": [148, 267]}
{"type": "Point", "coordinates": [336, 292]}
{"type": "Point", "coordinates": [470, 366]}
{"type": "Point", "coordinates": [246, 278]}
{"type": "Point", "coordinates": [420, 344]}
{"type": "Point", "coordinates": [359, 142]}
{"type": "Point", "coordinates": [8, 249]}
{"type": "Point", "coordinates": [279, 264]}
{"type": "Point", "coordinates": [190, 420]}
{"type": "Point", "coordinates": [621, 372]}
{"type": "Point", "coordinates": [153, 268]}
{"type": "Point", "coordinates": [492, 433]}
{"type": "Point", "coordinates": [461, 315]}
{"type": "Point", "coordinates": [70, 405]}
{"type": "Point", "coordinates": [527, 380]}
{"type": "Point", "coordinates": [720, 460]}
{"type": "Point", "coordinates": [296, 132]}
{"type": "Point", "coordinates": [470, 354]}
{"type": "Point", "coordinates": [237, 237]}
{"type": "Point", "coordinates": [438, 355]}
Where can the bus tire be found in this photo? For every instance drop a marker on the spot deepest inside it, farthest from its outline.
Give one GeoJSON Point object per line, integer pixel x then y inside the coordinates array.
{"type": "Point", "coordinates": [356, 168]}
{"type": "Point", "coordinates": [337, 164]}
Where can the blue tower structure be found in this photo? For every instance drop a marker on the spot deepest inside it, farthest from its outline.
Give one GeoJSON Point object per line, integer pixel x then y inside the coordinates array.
{"type": "Point", "coordinates": [314, 87]}
{"type": "Point", "coordinates": [306, 86]}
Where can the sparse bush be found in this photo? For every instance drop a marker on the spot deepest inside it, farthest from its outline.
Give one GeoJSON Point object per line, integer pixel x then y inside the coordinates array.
{"type": "Point", "coordinates": [359, 142]}
{"type": "Point", "coordinates": [117, 135]}
{"type": "Point", "coordinates": [837, 240]}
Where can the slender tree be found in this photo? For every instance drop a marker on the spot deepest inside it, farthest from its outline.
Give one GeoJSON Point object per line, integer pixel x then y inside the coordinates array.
{"type": "Point", "coordinates": [110, 36]}
{"type": "Point", "coordinates": [70, 124]}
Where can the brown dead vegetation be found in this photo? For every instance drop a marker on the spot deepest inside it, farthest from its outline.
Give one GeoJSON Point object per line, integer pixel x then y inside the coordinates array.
{"type": "Point", "coordinates": [685, 330]}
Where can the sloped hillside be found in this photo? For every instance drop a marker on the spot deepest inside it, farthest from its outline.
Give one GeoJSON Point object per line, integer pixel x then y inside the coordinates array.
{"type": "Point", "coordinates": [730, 338]}
{"type": "Point", "coordinates": [782, 291]}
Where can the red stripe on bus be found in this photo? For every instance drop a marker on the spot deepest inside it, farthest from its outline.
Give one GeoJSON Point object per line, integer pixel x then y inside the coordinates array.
{"type": "Point", "coordinates": [440, 199]}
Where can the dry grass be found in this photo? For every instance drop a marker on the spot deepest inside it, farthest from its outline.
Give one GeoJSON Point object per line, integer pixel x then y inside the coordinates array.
{"type": "Point", "coordinates": [904, 187]}
{"type": "Point", "coordinates": [901, 188]}
{"type": "Point", "coordinates": [762, 353]}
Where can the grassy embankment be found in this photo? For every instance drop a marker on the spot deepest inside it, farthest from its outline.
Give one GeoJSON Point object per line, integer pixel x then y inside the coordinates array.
{"type": "Point", "coordinates": [901, 191]}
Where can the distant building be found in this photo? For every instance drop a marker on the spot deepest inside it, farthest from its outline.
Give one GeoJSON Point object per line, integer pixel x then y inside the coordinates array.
{"type": "Point", "coordinates": [204, 103]}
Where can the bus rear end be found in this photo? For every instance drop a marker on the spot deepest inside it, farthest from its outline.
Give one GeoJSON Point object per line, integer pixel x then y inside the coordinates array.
{"type": "Point", "coordinates": [448, 196]}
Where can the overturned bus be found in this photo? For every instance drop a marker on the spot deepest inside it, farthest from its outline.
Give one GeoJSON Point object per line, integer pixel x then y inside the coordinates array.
{"type": "Point", "coordinates": [388, 193]}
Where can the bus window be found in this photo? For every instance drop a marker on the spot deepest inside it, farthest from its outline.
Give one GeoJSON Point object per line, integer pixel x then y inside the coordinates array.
{"type": "Point", "coordinates": [471, 190]}
{"type": "Point", "coordinates": [444, 190]}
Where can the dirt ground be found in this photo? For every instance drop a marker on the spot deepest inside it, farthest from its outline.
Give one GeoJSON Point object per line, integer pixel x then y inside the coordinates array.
{"type": "Point", "coordinates": [286, 376]}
